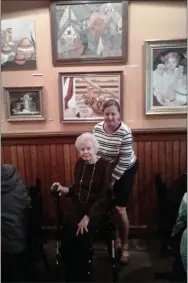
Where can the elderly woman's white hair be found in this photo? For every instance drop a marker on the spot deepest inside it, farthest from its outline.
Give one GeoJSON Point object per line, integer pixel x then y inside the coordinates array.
{"type": "Point", "coordinates": [87, 137]}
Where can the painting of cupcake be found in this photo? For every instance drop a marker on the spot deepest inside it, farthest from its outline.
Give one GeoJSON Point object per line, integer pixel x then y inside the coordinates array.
{"type": "Point", "coordinates": [18, 46]}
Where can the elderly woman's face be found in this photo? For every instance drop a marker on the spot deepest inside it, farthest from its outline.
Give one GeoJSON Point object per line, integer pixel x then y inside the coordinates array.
{"type": "Point", "coordinates": [87, 151]}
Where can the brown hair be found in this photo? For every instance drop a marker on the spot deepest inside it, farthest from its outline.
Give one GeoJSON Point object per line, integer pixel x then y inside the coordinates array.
{"type": "Point", "coordinates": [111, 102]}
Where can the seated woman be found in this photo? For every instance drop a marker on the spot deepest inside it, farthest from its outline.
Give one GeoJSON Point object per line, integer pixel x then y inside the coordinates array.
{"type": "Point", "coordinates": [90, 196]}
{"type": "Point", "coordinates": [180, 228]}
{"type": "Point", "coordinates": [15, 202]}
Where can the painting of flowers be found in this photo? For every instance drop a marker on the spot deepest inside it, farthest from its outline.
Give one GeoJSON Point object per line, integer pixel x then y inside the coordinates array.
{"type": "Point", "coordinates": [18, 45]}
{"type": "Point", "coordinates": [82, 96]}
{"type": "Point", "coordinates": [93, 31]}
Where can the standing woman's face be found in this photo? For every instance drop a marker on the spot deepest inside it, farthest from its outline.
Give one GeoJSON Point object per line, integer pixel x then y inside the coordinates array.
{"type": "Point", "coordinates": [111, 116]}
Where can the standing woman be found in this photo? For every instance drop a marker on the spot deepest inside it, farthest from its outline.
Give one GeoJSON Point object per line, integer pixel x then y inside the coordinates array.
{"type": "Point", "coordinates": [115, 144]}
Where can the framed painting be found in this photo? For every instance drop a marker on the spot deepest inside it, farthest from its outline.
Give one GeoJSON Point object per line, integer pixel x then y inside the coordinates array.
{"type": "Point", "coordinates": [24, 103]}
{"type": "Point", "coordinates": [166, 76]}
{"type": "Point", "coordinates": [89, 32]}
{"type": "Point", "coordinates": [82, 95]}
{"type": "Point", "coordinates": [18, 45]}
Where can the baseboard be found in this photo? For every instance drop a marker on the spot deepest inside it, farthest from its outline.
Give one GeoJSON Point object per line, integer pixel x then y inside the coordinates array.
{"type": "Point", "coordinates": [141, 231]}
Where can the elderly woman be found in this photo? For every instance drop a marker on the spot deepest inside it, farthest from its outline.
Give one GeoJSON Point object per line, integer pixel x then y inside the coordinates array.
{"type": "Point", "coordinates": [90, 196]}
{"type": "Point", "coordinates": [115, 144]}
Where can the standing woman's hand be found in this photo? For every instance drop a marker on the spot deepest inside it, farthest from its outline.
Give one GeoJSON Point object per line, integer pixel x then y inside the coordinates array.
{"type": "Point", "coordinates": [113, 181]}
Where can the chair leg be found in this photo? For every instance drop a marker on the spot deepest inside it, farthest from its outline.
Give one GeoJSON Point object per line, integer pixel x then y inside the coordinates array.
{"type": "Point", "coordinates": [44, 259]}
{"type": "Point", "coordinates": [114, 262]}
{"type": "Point", "coordinates": [58, 258]}
{"type": "Point", "coordinates": [110, 238]}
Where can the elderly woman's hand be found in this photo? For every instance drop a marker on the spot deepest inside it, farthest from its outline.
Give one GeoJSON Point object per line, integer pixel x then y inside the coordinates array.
{"type": "Point", "coordinates": [60, 188]}
{"type": "Point", "coordinates": [83, 225]}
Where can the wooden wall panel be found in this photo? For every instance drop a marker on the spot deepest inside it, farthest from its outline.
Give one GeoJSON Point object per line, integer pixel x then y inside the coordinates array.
{"type": "Point", "coordinates": [52, 157]}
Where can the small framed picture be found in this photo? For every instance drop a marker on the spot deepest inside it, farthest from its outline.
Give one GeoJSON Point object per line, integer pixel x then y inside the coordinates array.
{"type": "Point", "coordinates": [24, 103]}
{"type": "Point", "coordinates": [82, 95]}
{"type": "Point", "coordinates": [166, 76]}
{"type": "Point", "coordinates": [89, 32]}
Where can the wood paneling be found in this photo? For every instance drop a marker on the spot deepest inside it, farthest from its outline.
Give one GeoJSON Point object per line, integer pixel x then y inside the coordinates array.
{"type": "Point", "coordinates": [52, 157]}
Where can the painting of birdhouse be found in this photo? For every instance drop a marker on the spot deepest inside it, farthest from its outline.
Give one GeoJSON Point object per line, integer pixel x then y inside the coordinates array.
{"type": "Point", "coordinates": [24, 103]}
{"type": "Point", "coordinates": [18, 45]}
{"type": "Point", "coordinates": [83, 95]}
{"type": "Point", "coordinates": [92, 31]}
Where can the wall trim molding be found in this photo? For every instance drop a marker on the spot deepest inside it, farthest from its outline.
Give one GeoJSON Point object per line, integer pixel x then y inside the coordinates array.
{"type": "Point", "coordinates": [61, 137]}
{"type": "Point", "coordinates": [75, 134]}
{"type": "Point", "coordinates": [135, 231]}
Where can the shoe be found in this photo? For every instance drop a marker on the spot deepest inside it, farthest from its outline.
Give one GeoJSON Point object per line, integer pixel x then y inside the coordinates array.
{"type": "Point", "coordinates": [124, 259]}
{"type": "Point", "coordinates": [118, 244]}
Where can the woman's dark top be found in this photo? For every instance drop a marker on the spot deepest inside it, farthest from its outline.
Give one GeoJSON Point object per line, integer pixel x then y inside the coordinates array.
{"type": "Point", "coordinates": [100, 188]}
{"type": "Point", "coordinates": [14, 205]}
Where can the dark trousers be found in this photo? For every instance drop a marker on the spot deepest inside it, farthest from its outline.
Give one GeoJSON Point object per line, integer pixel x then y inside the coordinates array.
{"type": "Point", "coordinates": [77, 258]}
{"type": "Point", "coordinates": [13, 267]}
{"type": "Point", "coordinates": [77, 251]}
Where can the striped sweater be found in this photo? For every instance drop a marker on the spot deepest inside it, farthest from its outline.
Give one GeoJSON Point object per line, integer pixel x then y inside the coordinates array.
{"type": "Point", "coordinates": [116, 147]}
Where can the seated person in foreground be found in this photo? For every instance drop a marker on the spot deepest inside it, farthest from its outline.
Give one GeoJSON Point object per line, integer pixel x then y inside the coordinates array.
{"type": "Point", "coordinates": [180, 227]}
{"type": "Point", "coordinates": [90, 196]}
{"type": "Point", "coordinates": [14, 204]}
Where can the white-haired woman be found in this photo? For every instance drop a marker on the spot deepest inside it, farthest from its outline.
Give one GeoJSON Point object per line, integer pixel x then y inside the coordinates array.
{"type": "Point", "coordinates": [89, 195]}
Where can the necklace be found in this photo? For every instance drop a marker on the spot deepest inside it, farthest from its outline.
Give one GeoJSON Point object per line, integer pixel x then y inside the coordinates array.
{"type": "Point", "coordinates": [81, 180]}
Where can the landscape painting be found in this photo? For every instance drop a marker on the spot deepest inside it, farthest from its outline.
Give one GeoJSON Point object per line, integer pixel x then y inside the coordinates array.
{"type": "Point", "coordinates": [18, 44]}
{"type": "Point", "coordinates": [82, 96]}
{"type": "Point", "coordinates": [94, 32]}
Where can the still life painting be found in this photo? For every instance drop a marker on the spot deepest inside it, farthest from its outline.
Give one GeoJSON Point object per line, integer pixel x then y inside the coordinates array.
{"type": "Point", "coordinates": [24, 103]}
{"type": "Point", "coordinates": [166, 76]}
{"type": "Point", "coordinates": [18, 44]}
{"type": "Point", "coordinates": [83, 95]}
{"type": "Point", "coordinates": [93, 31]}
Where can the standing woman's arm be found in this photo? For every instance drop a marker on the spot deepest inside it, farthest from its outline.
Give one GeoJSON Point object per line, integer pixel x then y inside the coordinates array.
{"type": "Point", "coordinates": [125, 155]}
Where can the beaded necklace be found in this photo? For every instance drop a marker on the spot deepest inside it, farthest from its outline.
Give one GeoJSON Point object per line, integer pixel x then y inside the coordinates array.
{"type": "Point", "coordinates": [81, 180]}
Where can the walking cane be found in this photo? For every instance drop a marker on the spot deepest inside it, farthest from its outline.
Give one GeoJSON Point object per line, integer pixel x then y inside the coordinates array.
{"type": "Point", "coordinates": [112, 229]}
{"type": "Point", "coordinates": [55, 196]}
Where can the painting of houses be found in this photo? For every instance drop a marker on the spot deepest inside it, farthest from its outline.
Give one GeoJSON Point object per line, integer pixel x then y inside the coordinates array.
{"type": "Point", "coordinates": [18, 45]}
{"type": "Point", "coordinates": [91, 32]}
{"type": "Point", "coordinates": [83, 95]}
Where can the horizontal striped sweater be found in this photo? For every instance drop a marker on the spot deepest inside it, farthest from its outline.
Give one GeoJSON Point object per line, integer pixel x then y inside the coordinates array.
{"type": "Point", "coordinates": [116, 147]}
